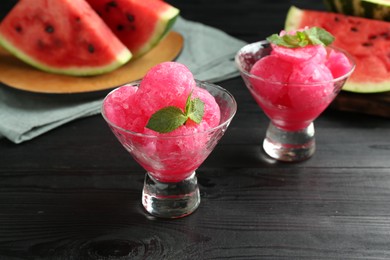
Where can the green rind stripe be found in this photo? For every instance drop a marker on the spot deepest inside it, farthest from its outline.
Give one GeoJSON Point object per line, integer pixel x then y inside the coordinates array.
{"type": "Point", "coordinates": [121, 59]}
{"type": "Point", "coordinates": [163, 26]}
{"type": "Point", "coordinates": [169, 25]}
{"type": "Point", "coordinates": [367, 87]}
{"type": "Point", "coordinates": [293, 19]}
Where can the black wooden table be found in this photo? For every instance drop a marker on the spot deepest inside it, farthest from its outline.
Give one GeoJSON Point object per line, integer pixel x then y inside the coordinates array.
{"type": "Point", "coordinates": [74, 193]}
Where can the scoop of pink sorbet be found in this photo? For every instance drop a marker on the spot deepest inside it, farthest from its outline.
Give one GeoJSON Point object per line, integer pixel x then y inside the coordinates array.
{"type": "Point", "coordinates": [166, 84]}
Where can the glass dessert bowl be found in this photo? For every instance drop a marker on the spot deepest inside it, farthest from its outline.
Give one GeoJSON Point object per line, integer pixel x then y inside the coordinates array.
{"type": "Point", "coordinates": [291, 105]}
{"type": "Point", "coordinates": [170, 187]}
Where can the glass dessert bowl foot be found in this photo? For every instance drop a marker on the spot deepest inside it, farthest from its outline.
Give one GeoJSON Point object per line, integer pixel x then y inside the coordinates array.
{"type": "Point", "coordinates": [170, 200]}
{"type": "Point", "coordinates": [170, 186]}
{"type": "Point", "coordinates": [289, 146]}
{"type": "Point", "coordinates": [292, 106]}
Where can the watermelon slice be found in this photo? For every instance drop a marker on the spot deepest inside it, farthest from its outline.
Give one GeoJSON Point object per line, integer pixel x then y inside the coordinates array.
{"type": "Point", "coordinates": [368, 41]}
{"type": "Point", "coordinates": [62, 36]}
{"type": "Point", "coordinates": [139, 24]}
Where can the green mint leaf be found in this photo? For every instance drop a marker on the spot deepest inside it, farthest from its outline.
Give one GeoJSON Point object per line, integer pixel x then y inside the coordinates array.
{"type": "Point", "coordinates": [281, 41]}
{"type": "Point", "coordinates": [167, 119]}
{"type": "Point", "coordinates": [302, 39]}
{"type": "Point", "coordinates": [312, 36]}
{"type": "Point", "coordinates": [320, 36]}
{"type": "Point", "coordinates": [197, 110]}
{"type": "Point", "coordinates": [170, 118]}
{"type": "Point", "coordinates": [188, 104]}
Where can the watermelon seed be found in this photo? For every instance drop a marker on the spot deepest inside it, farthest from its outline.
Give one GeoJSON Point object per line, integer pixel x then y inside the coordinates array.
{"type": "Point", "coordinates": [354, 29]}
{"type": "Point", "coordinates": [130, 17]}
{"type": "Point", "coordinates": [19, 28]}
{"type": "Point", "coordinates": [91, 49]}
{"type": "Point", "coordinates": [372, 37]}
{"type": "Point", "coordinates": [120, 27]}
{"type": "Point", "coordinates": [367, 44]}
{"type": "Point", "coordinates": [49, 29]}
{"type": "Point", "coordinates": [112, 4]}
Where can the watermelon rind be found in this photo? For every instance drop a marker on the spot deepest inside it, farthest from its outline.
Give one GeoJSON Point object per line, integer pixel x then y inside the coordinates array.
{"type": "Point", "coordinates": [375, 9]}
{"type": "Point", "coordinates": [120, 59]}
{"type": "Point", "coordinates": [163, 26]}
{"type": "Point", "coordinates": [293, 21]}
{"type": "Point", "coordinates": [366, 88]}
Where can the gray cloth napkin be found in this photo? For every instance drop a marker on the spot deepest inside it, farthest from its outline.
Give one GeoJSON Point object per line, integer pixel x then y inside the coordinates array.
{"type": "Point", "coordinates": [207, 52]}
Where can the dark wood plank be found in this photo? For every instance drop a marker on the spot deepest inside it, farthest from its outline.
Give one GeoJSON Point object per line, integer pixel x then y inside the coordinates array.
{"type": "Point", "coordinates": [377, 104]}
{"type": "Point", "coordinates": [312, 213]}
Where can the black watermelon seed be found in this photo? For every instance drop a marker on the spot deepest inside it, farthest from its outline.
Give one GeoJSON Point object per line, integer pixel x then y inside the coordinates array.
{"type": "Point", "coordinates": [130, 17]}
{"type": "Point", "coordinates": [91, 49]}
{"type": "Point", "coordinates": [367, 44]}
{"type": "Point", "coordinates": [18, 28]}
{"type": "Point", "coordinates": [354, 29]}
{"type": "Point", "coordinates": [120, 27]}
{"type": "Point", "coordinates": [49, 29]}
{"type": "Point", "coordinates": [372, 37]}
{"type": "Point", "coordinates": [112, 4]}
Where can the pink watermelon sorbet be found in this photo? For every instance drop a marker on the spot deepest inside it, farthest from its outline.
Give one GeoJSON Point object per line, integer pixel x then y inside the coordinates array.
{"type": "Point", "coordinates": [294, 85]}
{"type": "Point", "coordinates": [168, 157]}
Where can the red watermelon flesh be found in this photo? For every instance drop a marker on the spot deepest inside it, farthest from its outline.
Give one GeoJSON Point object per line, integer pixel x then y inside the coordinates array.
{"type": "Point", "coordinates": [368, 41]}
{"type": "Point", "coordinates": [139, 24]}
{"type": "Point", "coordinates": [62, 36]}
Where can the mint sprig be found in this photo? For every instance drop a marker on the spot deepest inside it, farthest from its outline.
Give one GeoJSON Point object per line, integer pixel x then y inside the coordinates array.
{"type": "Point", "coordinates": [170, 118]}
{"type": "Point", "coordinates": [311, 36]}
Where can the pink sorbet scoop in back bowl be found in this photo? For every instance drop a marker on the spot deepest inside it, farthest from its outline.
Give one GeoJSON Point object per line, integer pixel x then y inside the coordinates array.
{"type": "Point", "coordinates": [293, 77]}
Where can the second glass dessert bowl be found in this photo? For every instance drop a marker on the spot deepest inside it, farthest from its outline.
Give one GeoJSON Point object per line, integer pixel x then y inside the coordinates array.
{"type": "Point", "coordinates": [291, 107]}
{"type": "Point", "coordinates": [170, 187]}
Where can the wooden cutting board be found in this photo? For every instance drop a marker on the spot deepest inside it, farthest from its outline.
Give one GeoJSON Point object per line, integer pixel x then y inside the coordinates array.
{"type": "Point", "coordinates": [377, 104]}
